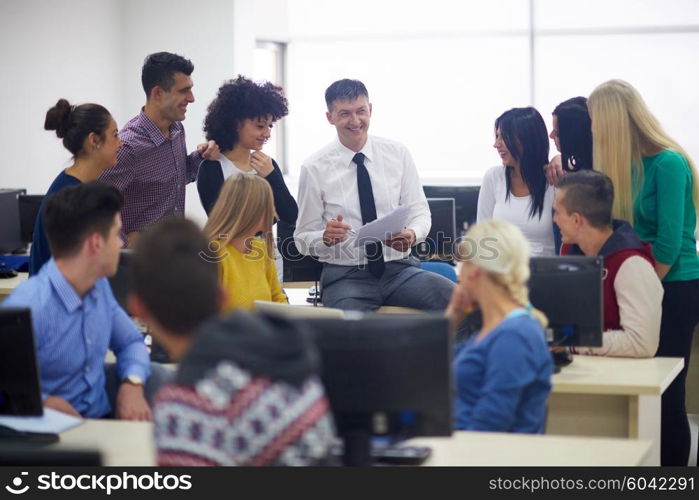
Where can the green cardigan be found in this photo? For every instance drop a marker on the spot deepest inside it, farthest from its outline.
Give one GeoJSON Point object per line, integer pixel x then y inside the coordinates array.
{"type": "Point", "coordinates": [665, 216]}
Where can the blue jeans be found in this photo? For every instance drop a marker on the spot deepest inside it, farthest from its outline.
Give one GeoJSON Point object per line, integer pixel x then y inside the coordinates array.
{"type": "Point", "coordinates": [403, 284]}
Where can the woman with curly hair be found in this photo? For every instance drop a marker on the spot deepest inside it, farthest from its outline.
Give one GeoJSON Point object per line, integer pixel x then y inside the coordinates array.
{"type": "Point", "coordinates": [240, 120]}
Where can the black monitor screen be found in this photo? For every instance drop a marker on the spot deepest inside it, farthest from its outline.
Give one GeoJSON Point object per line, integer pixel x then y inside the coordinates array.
{"type": "Point", "coordinates": [466, 202]}
{"type": "Point", "coordinates": [10, 234]}
{"type": "Point", "coordinates": [20, 392]}
{"type": "Point", "coordinates": [29, 205]}
{"type": "Point", "coordinates": [439, 242]}
{"type": "Point", "coordinates": [568, 289]}
{"type": "Point", "coordinates": [386, 375]}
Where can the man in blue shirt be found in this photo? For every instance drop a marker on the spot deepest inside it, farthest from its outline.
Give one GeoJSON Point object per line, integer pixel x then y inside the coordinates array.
{"type": "Point", "coordinates": [76, 318]}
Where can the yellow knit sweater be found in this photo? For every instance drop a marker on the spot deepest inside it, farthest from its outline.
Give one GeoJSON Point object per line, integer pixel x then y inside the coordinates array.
{"type": "Point", "coordinates": [247, 277]}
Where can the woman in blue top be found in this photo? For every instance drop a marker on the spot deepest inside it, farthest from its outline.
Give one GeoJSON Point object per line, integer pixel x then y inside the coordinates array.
{"type": "Point", "coordinates": [90, 133]}
{"type": "Point", "coordinates": [502, 372]}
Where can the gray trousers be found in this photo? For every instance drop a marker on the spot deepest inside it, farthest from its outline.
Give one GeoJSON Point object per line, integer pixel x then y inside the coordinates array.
{"type": "Point", "coordinates": [159, 376]}
{"type": "Point", "coordinates": [403, 284]}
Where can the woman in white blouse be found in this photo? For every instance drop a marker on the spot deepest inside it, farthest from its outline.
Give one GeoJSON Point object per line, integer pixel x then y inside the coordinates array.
{"type": "Point", "coordinates": [517, 191]}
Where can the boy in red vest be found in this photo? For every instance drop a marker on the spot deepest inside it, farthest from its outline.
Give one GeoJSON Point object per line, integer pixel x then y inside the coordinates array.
{"type": "Point", "coordinates": [633, 294]}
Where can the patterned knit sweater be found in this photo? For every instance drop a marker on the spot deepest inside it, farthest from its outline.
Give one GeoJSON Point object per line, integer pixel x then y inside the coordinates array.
{"type": "Point", "coordinates": [246, 394]}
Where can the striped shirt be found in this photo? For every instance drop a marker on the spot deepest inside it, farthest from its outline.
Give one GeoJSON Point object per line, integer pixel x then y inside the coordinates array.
{"type": "Point", "coordinates": [152, 172]}
{"type": "Point", "coordinates": [73, 335]}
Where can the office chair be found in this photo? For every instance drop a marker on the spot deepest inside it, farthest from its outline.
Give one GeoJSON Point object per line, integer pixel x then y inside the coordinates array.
{"type": "Point", "coordinates": [297, 267]}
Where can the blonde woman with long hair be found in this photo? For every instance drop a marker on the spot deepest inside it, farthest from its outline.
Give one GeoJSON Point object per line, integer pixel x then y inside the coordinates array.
{"type": "Point", "coordinates": [657, 188]}
{"type": "Point", "coordinates": [243, 210]}
{"type": "Point", "coordinates": [502, 372]}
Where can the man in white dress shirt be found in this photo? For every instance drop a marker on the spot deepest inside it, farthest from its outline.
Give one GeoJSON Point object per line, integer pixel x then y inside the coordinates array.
{"type": "Point", "coordinates": [348, 183]}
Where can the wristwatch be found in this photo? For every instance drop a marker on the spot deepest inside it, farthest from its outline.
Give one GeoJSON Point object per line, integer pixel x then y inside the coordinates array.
{"type": "Point", "coordinates": [134, 379]}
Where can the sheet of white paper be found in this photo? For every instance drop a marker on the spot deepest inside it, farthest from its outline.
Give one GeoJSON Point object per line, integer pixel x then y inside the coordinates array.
{"type": "Point", "coordinates": [382, 228]}
{"type": "Point", "coordinates": [50, 421]}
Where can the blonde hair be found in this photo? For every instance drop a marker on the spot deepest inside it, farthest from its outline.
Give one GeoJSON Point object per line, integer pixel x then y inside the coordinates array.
{"type": "Point", "coordinates": [243, 200]}
{"type": "Point", "coordinates": [499, 248]}
{"type": "Point", "coordinates": [623, 132]}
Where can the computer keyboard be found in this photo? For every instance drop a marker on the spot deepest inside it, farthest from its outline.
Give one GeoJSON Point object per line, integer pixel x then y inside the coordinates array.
{"type": "Point", "coordinates": [401, 455]}
{"type": "Point", "coordinates": [8, 434]}
{"type": "Point", "coordinates": [392, 454]}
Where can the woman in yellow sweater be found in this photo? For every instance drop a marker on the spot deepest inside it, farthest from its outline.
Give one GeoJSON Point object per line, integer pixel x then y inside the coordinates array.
{"type": "Point", "coordinates": [244, 209]}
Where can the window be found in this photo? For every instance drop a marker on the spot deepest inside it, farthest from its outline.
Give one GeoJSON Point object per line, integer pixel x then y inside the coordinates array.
{"type": "Point", "coordinates": [440, 72]}
{"type": "Point", "coordinates": [268, 65]}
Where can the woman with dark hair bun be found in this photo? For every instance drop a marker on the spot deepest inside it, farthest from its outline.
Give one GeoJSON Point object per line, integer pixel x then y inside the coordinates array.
{"type": "Point", "coordinates": [90, 133]}
{"type": "Point", "coordinates": [572, 134]}
{"type": "Point", "coordinates": [517, 191]}
{"type": "Point", "coordinates": [240, 120]}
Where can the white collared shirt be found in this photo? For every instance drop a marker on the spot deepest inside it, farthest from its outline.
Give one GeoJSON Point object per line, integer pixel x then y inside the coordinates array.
{"type": "Point", "coordinates": [328, 188]}
{"type": "Point", "coordinates": [493, 203]}
{"type": "Point", "coordinates": [228, 168]}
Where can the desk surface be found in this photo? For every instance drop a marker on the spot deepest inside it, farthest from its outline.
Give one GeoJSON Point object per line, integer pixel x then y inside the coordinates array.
{"type": "Point", "coordinates": [131, 443]}
{"type": "Point", "coordinates": [604, 375]}
{"type": "Point", "coordinates": [9, 284]}
{"type": "Point", "coordinates": [297, 297]}
{"type": "Point", "coordinates": [121, 443]}
{"type": "Point", "coordinates": [512, 450]}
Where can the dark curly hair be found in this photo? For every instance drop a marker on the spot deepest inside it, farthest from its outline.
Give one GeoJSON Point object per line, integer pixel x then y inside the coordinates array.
{"type": "Point", "coordinates": [238, 100]}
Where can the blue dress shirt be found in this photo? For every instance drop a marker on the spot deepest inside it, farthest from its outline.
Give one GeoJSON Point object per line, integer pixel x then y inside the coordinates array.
{"type": "Point", "coordinates": [503, 381]}
{"type": "Point", "coordinates": [73, 335]}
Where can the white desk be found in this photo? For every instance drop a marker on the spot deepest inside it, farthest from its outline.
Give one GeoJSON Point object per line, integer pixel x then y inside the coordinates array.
{"type": "Point", "coordinates": [522, 450]}
{"type": "Point", "coordinates": [9, 284]}
{"type": "Point", "coordinates": [611, 397]}
{"type": "Point", "coordinates": [121, 443]}
{"type": "Point", "coordinates": [131, 443]}
{"type": "Point", "coordinates": [297, 297]}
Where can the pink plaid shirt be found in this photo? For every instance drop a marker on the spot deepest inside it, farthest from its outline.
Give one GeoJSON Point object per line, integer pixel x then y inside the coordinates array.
{"type": "Point", "coordinates": [151, 172]}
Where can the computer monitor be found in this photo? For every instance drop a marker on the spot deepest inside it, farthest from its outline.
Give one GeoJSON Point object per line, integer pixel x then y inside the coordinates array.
{"type": "Point", "coordinates": [465, 203]}
{"type": "Point", "coordinates": [29, 205]}
{"type": "Point", "coordinates": [20, 389]}
{"type": "Point", "coordinates": [440, 240]}
{"type": "Point", "coordinates": [568, 289]}
{"type": "Point", "coordinates": [385, 375]}
{"type": "Point", "coordinates": [10, 234]}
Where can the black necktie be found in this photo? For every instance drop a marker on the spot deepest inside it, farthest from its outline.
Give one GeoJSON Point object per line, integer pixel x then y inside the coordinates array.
{"type": "Point", "coordinates": [373, 251]}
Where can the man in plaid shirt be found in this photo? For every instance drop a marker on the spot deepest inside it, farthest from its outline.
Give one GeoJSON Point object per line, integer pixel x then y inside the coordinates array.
{"type": "Point", "coordinates": [153, 167]}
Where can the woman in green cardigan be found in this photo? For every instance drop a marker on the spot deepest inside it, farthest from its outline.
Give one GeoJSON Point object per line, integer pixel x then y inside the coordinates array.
{"type": "Point", "coordinates": [657, 190]}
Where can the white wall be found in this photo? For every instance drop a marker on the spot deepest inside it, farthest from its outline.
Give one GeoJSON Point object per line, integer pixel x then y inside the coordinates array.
{"type": "Point", "coordinates": [88, 50]}
{"type": "Point", "coordinates": [51, 50]}
{"type": "Point", "coordinates": [201, 31]}
{"type": "Point", "coordinates": [92, 51]}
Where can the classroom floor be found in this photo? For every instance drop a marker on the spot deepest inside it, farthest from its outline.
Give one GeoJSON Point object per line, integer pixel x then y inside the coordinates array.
{"type": "Point", "coordinates": [694, 427]}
